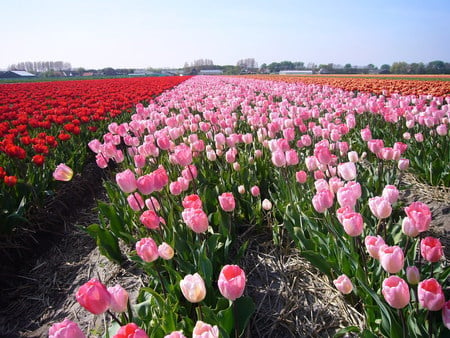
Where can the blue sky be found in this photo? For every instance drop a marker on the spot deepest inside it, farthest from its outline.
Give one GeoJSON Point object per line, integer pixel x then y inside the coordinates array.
{"type": "Point", "coordinates": [140, 34]}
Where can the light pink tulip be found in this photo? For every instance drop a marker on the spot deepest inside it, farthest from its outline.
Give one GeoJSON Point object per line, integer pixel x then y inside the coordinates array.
{"type": "Point", "coordinates": [420, 215]}
{"type": "Point", "coordinates": [353, 223]}
{"type": "Point", "coordinates": [63, 173]}
{"type": "Point", "coordinates": [301, 176]}
{"type": "Point", "coordinates": [126, 181]}
{"type": "Point", "coordinates": [390, 192]}
{"type": "Point", "coordinates": [65, 329]}
{"type": "Point", "coordinates": [203, 330]}
{"type": "Point", "coordinates": [343, 284]}
{"type": "Point", "coordinates": [278, 158]}
{"type": "Point", "coordinates": [119, 298]}
{"type": "Point", "coordinates": [346, 197]}
{"type": "Point", "coordinates": [196, 219]}
{"type": "Point", "coordinates": [147, 249]}
{"type": "Point", "coordinates": [373, 245]}
{"type": "Point", "coordinates": [403, 164]}
{"type": "Point", "coordinates": [165, 251]}
{"type": "Point", "coordinates": [408, 228]}
{"type": "Point", "coordinates": [322, 200]}
{"type": "Point", "coordinates": [396, 292]}
{"type": "Point", "coordinates": [380, 207]}
{"type": "Point", "coordinates": [266, 204]}
{"type": "Point", "coordinates": [193, 288]}
{"type": "Point", "coordinates": [412, 275]}
{"type": "Point", "coordinates": [255, 191]}
{"type": "Point", "coordinates": [430, 294]}
{"type": "Point", "coordinates": [135, 201]}
{"type": "Point", "coordinates": [175, 334]}
{"type": "Point", "coordinates": [392, 258]}
{"type": "Point", "coordinates": [347, 171]}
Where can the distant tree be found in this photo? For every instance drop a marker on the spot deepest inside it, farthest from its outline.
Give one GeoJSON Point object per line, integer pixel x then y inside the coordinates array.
{"type": "Point", "coordinates": [400, 67]}
{"type": "Point", "coordinates": [109, 71]}
{"type": "Point", "coordinates": [435, 67]}
{"type": "Point", "coordinates": [248, 63]}
{"type": "Point", "coordinates": [299, 65]}
{"type": "Point", "coordinates": [385, 69]}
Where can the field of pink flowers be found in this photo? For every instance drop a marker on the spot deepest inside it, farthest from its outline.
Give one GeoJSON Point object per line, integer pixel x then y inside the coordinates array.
{"type": "Point", "coordinates": [217, 156]}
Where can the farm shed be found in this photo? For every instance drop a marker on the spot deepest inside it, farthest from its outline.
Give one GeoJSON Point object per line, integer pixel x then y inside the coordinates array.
{"type": "Point", "coordinates": [10, 74]}
{"type": "Point", "coordinates": [295, 72]}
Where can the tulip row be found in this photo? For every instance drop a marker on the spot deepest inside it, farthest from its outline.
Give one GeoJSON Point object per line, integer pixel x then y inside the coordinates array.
{"type": "Point", "coordinates": [215, 155]}
{"type": "Point", "coordinates": [43, 124]}
{"type": "Point", "coordinates": [376, 85]}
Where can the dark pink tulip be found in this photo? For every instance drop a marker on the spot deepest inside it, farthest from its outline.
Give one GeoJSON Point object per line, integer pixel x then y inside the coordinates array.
{"type": "Point", "coordinates": [396, 292]}
{"type": "Point", "coordinates": [255, 191]}
{"type": "Point", "coordinates": [147, 249]}
{"type": "Point", "coordinates": [420, 215]}
{"type": "Point", "coordinates": [431, 249]}
{"type": "Point", "coordinates": [301, 176]}
{"type": "Point", "coordinates": [131, 330]}
{"type": "Point", "coordinates": [366, 134]}
{"type": "Point", "coordinates": [430, 294]}
{"type": "Point", "coordinates": [65, 329]}
{"type": "Point", "coordinates": [392, 258]}
{"type": "Point", "coordinates": [231, 282]}
{"type": "Point", "coordinates": [94, 297]}
{"type": "Point", "coordinates": [192, 201]}
{"type": "Point", "coordinates": [126, 181]}
{"type": "Point", "coordinates": [373, 245]}
{"type": "Point", "coordinates": [322, 154]}
{"type": "Point", "coordinates": [343, 284]}
{"type": "Point", "coordinates": [175, 188]}
{"type": "Point", "coordinates": [146, 184]}
{"type": "Point", "coordinates": [161, 179]}
{"type": "Point", "coordinates": [227, 202]}
{"type": "Point", "coordinates": [196, 219]}
{"type": "Point", "coordinates": [150, 219]}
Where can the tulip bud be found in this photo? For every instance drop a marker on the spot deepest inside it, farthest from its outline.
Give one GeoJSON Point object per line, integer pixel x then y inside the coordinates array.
{"type": "Point", "coordinates": [193, 288]}
{"type": "Point", "coordinates": [343, 284]}
{"type": "Point", "coordinates": [412, 275]}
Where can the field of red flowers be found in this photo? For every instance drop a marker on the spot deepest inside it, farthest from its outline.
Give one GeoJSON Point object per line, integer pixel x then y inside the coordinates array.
{"type": "Point", "coordinates": [379, 85]}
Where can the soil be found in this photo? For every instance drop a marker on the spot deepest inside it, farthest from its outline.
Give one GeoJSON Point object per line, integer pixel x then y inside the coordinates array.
{"type": "Point", "coordinates": [292, 298]}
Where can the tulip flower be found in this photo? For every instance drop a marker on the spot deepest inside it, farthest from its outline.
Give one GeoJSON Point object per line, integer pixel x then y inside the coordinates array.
{"type": "Point", "coordinates": [192, 201]}
{"type": "Point", "coordinates": [343, 284]}
{"type": "Point", "coordinates": [147, 249]}
{"type": "Point", "coordinates": [126, 181]}
{"type": "Point", "coordinates": [396, 292]}
{"type": "Point", "coordinates": [408, 228]}
{"type": "Point", "coordinates": [175, 334]}
{"type": "Point", "coordinates": [266, 204]}
{"type": "Point", "coordinates": [94, 297]}
{"type": "Point", "coordinates": [131, 330]}
{"type": "Point", "coordinates": [193, 288]}
{"type": "Point", "coordinates": [204, 330]}
{"type": "Point", "coordinates": [165, 251]}
{"type": "Point", "coordinates": [380, 207]}
{"type": "Point", "coordinates": [301, 176]}
{"type": "Point", "coordinates": [150, 219]}
{"type": "Point", "coordinates": [430, 294]}
{"type": "Point", "coordinates": [196, 219]}
{"type": "Point", "coordinates": [412, 275]}
{"type": "Point", "coordinates": [347, 171]}
{"type": "Point", "coordinates": [431, 249]}
{"type": "Point", "coordinates": [63, 173]}
{"type": "Point", "coordinates": [420, 215]}
{"type": "Point", "coordinates": [255, 191]}
{"type": "Point", "coordinates": [119, 298]}
{"type": "Point", "coordinates": [322, 200]}
{"type": "Point", "coordinates": [390, 192]}
{"type": "Point", "coordinates": [353, 223]}
{"type": "Point", "coordinates": [373, 245]}
{"type": "Point", "coordinates": [65, 329]}
{"type": "Point", "coordinates": [391, 258]}
{"type": "Point", "coordinates": [231, 282]}
{"type": "Point", "coordinates": [226, 201]}
{"type": "Point", "coordinates": [446, 314]}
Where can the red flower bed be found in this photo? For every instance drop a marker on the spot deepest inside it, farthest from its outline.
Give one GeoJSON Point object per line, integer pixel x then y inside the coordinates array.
{"type": "Point", "coordinates": [35, 117]}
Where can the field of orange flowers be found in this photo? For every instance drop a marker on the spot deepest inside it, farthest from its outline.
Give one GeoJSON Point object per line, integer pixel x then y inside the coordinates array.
{"type": "Point", "coordinates": [435, 85]}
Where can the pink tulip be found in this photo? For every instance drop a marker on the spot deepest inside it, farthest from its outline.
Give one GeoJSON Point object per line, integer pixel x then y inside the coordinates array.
{"type": "Point", "coordinates": [94, 297]}
{"type": "Point", "coordinates": [390, 192]}
{"type": "Point", "coordinates": [152, 204]}
{"type": "Point", "coordinates": [190, 172]}
{"type": "Point", "coordinates": [150, 219]}
{"type": "Point", "coordinates": [386, 153]}
{"type": "Point", "coordinates": [95, 145]}
{"type": "Point", "coordinates": [196, 219]}
{"type": "Point", "coordinates": [230, 155]}
{"type": "Point", "coordinates": [430, 294]}
{"type": "Point", "coordinates": [63, 173]}
{"type": "Point", "coordinates": [353, 156]}
{"type": "Point", "coordinates": [231, 282]}
{"type": "Point", "coordinates": [431, 249]}
{"type": "Point", "coordinates": [146, 184]}
{"type": "Point", "coordinates": [135, 201]}
{"type": "Point", "coordinates": [400, 146]}
{"type": "Point", "coordinates": [255, 191]}
{"type": "Point", "coordinates": [131, 330]}
{"type": "Point", "coordinates": [420, 215]}
{"type": "Point", "coordinates": [391, 258]}
{"type": "Point", "coordinates": [322, 200]}
{"type": "Point", "coordinates": [353, 223]}
{"type": "Point", "coordinates": [375, 145]}
{"type": "Point", "coordinates": [203, 330]}
{"type": "Point", "coordinates": [291, 157]}
{"type": "Point", "coordinates": [147, 249]}
{"type": "Point", "coordinates": [101, 161]}
{"type": "Point", "coordinates": [311, 163]}
{"type": "Point", "coordinates": [161, 179]}
{"type": "Point", "coordinates": [139, 161]}
{"type": "Point", "coordinates": [373, 245]}
{"type": "Point", "coordinates": [226, 201]}
{"type": "Point", "coordinates": [403, 164]}
{"type": "Point", "coordinates": [446, 314]}
{"type": "Point", "coordinates": [347, 171]}
{"type": "Point", "coordinates": [182, 155]}
{"type": "Point", "coordinates": [119, 298]}
{"type": "Point", "coordinates": [412, 275]}
{"type": "Point", "coordinates": [278, 158]}
{"type": "Point", "coordinates": [380, 207]}
{"type": "Point", "coordinates": [396, 292]}
{"type": "Point", "coordinates": [175, 334]}
{"type": "Point", "coordinates": [408, 228]}
{"type": "Point", "coordinates": [301, 176]}
{"type": "Point", "coordinates": [441, 130]}
{"type": "Point", "coordinates": [418, 137]}
{"type": "Point", "coordinates": [366, 134]}
{"type": "Point", "coordinates": [343, 284]}
{"type": "Point", "coordinates": [175, 188]}
{"type": "Point", "coordinates": [126, 181]}
{"type": "Point", "coordinates": [266, 204]}
{"type": "Point", "coordinates": [65, 329]}
{"type": "Point", "coordinates": [322, 154]}
{"type": "Point", "coordinates": [165, 251]}
{"type": "Point", "coordinates": [193, 288]}
{"type": "Point", "coordinates": [346, 197]}
{"type": "Point", "coordinates": [192, 201]}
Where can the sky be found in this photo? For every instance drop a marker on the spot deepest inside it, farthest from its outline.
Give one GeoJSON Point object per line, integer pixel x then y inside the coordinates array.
{"type": "Point", "coordinates": [167, 34]}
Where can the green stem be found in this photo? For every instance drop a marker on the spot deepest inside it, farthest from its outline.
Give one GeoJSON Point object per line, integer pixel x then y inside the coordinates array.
{"type": "Point", "coordinates": [236, 322]}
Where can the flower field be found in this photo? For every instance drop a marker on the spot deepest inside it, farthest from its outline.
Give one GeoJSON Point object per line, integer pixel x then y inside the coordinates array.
{"type": "Point", "coordinates": [43, 124]}
{"type": "Point", "coordinates": [320, 163]}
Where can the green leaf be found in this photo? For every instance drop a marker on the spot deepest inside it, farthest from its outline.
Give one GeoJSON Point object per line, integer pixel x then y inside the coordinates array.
{"type": "Point", "coordinates": [345, 330]}
{"type": "Point", "coordinates": [318, 261]}
{"type": "Point", "coordinates": [244, 308]}
{"type": "Point", "coordinates": [107, 243]}
{"type": "Point", "coordinates": [226, 319]}
{"type": "Point", "coordinates": [206, 268]}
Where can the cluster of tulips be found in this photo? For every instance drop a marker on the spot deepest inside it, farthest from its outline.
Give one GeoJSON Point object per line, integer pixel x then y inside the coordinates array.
{"type": "Point", "coordinates": [218, 156]}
